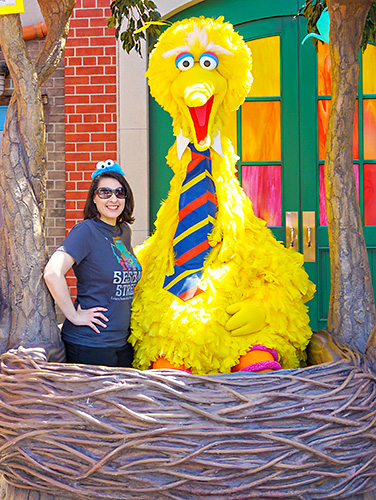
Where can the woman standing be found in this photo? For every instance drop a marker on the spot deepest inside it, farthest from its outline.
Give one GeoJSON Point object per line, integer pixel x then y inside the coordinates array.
{"type": "Point", "coordinates": [99, 250]}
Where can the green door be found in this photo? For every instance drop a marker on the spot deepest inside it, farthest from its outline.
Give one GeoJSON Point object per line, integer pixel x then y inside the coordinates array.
{"type": "Point", "coordinates": [279, 134]}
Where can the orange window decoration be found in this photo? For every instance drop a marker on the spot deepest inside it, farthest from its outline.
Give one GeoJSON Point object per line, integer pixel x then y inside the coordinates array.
{"type": "Point", "coordinates": [261, 132]}
{"type": "Point", "coordinates": [230, 129]}
{"type": "Point", "coordinates": [262, 184]}
{"type": "Point", "coordinates": [370, 195]}
{"type": "Point", "coordinates": [324, 68]}
{"type": "Point", "coordinates": [265, 67]}
{"type": "Point", "coordinates": [369, 65]}
{"type": "Point", "coordinates": [369, 124]}
{"type": "Point", "coordinates": [323, 117]}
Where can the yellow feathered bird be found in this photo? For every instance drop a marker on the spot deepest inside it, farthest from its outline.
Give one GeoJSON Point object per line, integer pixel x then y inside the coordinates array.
{"type": "Point", "coordinates": [251, 290]}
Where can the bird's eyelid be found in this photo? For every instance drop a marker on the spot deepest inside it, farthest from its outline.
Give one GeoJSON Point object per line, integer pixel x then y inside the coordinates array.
{"type": "Point", "coordinates": [182, 55]}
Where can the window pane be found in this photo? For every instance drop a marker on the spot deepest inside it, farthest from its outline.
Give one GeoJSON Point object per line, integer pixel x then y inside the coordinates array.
{"type": "Point", "coordinates": [323, 116]}
{"type": "Point", "coordinates": [369, 65]}
{"type": "Point", "coordinates": [369, 112]}
{"type": "Point", "coordinates": [324, 76]}
{"type": "Point", "coordinates": [262, 184]}
{"type": "Point", "coordinates": [265, 67]}
{"type": "Point", "coordinates": [370, 195]}
{"type": "Point", "coordinates": [261, 131]}
{"type": "Point", "coordinates": [323, 220]}
{"type": "Point", "coordinates": [230, 129]}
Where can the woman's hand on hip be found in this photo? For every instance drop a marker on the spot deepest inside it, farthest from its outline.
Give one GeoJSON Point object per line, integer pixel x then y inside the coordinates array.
{"type": "Point", "coordinates": [90, 317]}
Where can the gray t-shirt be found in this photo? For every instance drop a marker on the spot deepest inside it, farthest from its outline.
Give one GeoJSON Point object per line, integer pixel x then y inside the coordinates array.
{"type": "Point", "coordinates": [107, 272]}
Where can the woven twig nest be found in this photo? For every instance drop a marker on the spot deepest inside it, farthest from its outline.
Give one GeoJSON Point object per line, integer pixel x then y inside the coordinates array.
{"type": "Point", "coordinates": [86, 432]}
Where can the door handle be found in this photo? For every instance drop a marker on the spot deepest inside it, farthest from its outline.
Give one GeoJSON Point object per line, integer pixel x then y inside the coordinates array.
{"type": "Point", "coordinates": [309, 236]}
{"type": "Point", "coordinates": [292, 231]}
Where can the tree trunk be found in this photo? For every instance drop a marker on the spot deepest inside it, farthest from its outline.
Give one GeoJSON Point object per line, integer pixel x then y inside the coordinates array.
{"type": "Point", "coordinates": [352, 314]}
{"type": "Point", "coordinates": [27, 314]}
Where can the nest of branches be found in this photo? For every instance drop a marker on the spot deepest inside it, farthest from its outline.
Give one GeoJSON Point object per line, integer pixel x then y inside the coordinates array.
{"type": "Point", "coordinates": [86, 432]}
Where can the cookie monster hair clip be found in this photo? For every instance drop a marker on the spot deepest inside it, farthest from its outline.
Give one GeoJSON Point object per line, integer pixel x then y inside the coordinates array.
{"type": "Point", "coordinates": [106, 166]}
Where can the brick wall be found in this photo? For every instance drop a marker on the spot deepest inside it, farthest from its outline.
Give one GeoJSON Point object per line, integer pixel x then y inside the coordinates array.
{"type": "Point", "coordinates": [90, 102]}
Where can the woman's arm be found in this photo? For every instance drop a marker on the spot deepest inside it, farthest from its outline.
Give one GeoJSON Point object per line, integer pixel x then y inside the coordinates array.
{"type": "Point", "coordinates": [54, 276]}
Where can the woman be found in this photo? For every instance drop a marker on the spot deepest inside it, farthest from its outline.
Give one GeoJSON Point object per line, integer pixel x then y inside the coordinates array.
{"type": "Point", "coordinates": [99, 250]}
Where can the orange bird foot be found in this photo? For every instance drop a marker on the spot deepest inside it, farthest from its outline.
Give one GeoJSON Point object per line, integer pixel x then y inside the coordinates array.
{"type": "Point", "coordinates": [160, 363]}
{"type": "Point", "coordinates": [258, 359]}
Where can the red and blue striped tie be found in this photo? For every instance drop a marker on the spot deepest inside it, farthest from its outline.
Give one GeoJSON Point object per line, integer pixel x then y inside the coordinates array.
{"type": "Point", "coordinates": [197, 209]}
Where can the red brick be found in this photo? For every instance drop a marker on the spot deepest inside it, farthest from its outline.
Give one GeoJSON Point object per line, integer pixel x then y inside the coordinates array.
{"type": "Point", "coordinates": [70, 89]}
{"type": "Point", "coordinates": [79, 80]}
{"type": "Point", "coordinates": [70, 186]}
{"type": "Point", "coordinates": [90, 127]}
{"type": "Point", "coordinates": [105, 118]}
{"type": "Point", "coordinates": [102, 98]}
{"type": "Point", "coordinates": [77, 137]}
{"type": "Point", "coordinates": [75, 176]}
{"type": "Point", "coordinates": [89, 32]}
{"type": "Point", "coordinates": [76, 195]}
{"type": "Point", "coordinates": [70, 129]}
{"type": "Point", "coordinates": [105, 60]}
{"type": "Point", "coordinates": [88, 13]}
{"type": "Point", "coordinates": [79, 23]}
{"type": "Point", "coordinates": [110, 108]}
{"type": "Point", "coordinates": [75, 118]}
{"type": "Point", "coordinates": [70, 205]}
{"type": "Point", "coordinates": [98, 108]}
{"type": "Point", "coordinates": [91, 70]}
{"type": "Point", "coordinates": [102, 41]}
{"type": "Point", "coordinates": [110, 51]}
{"type": "Point", "coordinates": [78, 42]}
{"type": "Point", "coordinates": [69, 71]}
{"type": "Point", "coordinates": [111, 146]}
{"type": "Point", "coordinates": [90, 89]}
{"type": "Point", "coordinates": [99, 21]}
{"type": "Point", "coordinates": [90, 118]}
{"type": "Point", "coordinates": [74, 61]}
{"type": "Point", "coordinates": [77, 99]}
{"type": "Point", "coordinates": [90, 61]}
{"type": "Point", "coordinates": [89, 147]}
{"type": "Point", "coordinates": [89, 51]}
{"type": "Point", "coordinates": [81, 205]}
{"type": "Point", "coordinates": [77, 156]}
{"type": "Point", "coordinates": [111, 127]}
{"type": "Point", "coordinates": [101, 137]}
{"type": "Point", "coordinates": [110, 89]}
{"type": "Point", "coordinates": [88, 4]}
{"type": "Point", "coordinates": [110, 70]}
{"type": "Point", "coordinates": [70, 147]}
{"type": "Point", "coordinates": [69, 52]}
{"type": "Point", "coordinates": [104, 4]}
{"type": "Point", "coordinates": [97, 157]}
{"type": "Point", "coordinates": [103, 79]}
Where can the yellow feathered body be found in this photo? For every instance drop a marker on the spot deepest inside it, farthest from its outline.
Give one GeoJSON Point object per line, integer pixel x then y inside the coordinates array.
{"type": "Point", "coordinates": [245, 260]}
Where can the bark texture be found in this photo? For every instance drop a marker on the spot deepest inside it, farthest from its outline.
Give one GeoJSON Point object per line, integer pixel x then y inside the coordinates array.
{"type": "Point", "coordinates": [352, 314]}
{"type": "Point", "coordinates": [27, 315]}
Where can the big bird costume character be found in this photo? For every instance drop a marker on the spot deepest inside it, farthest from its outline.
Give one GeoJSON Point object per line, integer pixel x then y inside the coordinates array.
{"type": "Point", "coordinates": [218, 293]}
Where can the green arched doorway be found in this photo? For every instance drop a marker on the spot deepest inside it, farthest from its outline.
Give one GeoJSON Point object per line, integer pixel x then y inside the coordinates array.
{"type": "Point", "coordinates": [280, 135]}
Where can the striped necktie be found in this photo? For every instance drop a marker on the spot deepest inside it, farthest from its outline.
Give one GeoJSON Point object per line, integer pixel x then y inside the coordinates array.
{"type": "Point", "coordinates": [197, 210]}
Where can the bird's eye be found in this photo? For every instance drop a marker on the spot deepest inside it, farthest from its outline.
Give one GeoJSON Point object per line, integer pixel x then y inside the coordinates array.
{"type": "Point", "coordinates": [109, 163]}
{"type": "Point", "coordinates": [208, 60]}
{"type": "Point", "coordinates": [184, 61]}
{"type": "Point", "coordinates": [100, 164]}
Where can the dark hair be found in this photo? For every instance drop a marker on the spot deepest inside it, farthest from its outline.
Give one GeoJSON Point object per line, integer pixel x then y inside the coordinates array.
{"type": "Point", "coordinates": [91, 211]}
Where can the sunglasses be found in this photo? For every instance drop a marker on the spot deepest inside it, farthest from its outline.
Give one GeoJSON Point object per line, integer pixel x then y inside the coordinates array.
{"type": "Point", "coordinates": [106, 193]}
